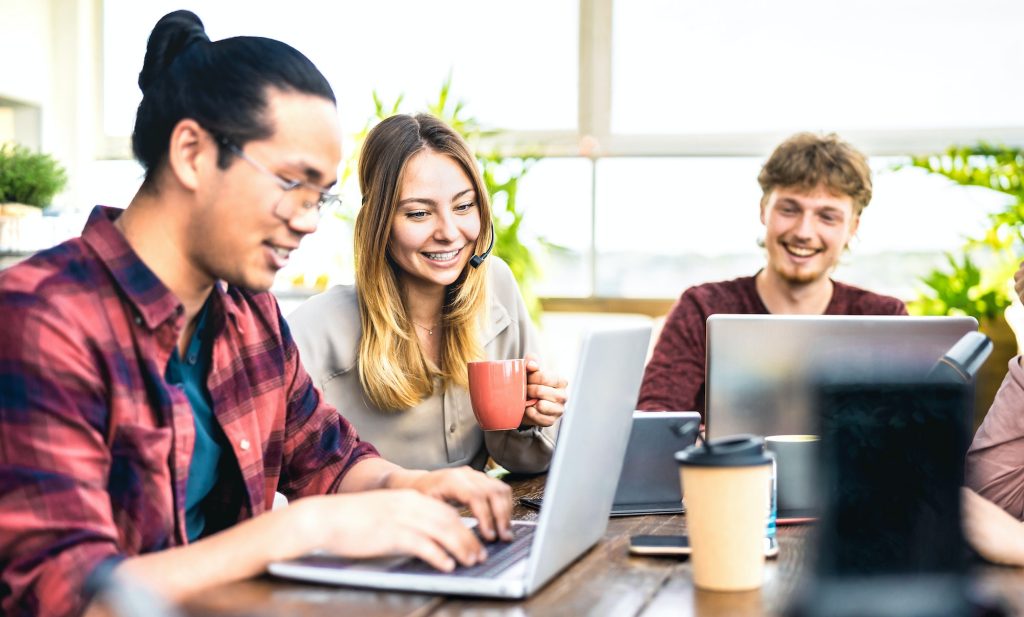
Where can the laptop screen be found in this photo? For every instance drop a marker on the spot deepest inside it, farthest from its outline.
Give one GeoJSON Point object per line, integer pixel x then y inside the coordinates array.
{"type": "Point", "coordinates": [761, 368]}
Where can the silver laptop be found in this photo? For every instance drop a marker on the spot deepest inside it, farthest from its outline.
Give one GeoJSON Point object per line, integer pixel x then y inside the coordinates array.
{"type": "Point", "coordinates": [578, 494]}
{"type": "Point", "coordinates": [760, 367]}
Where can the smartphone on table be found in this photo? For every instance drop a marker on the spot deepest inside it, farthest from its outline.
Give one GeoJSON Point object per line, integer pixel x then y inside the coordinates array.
{"type": "Point", "coordinates": [530, 502]}
{"type": "Point", "coordinates": [659, 545]}
{"type": "Point", "coordinates": [679, 545]}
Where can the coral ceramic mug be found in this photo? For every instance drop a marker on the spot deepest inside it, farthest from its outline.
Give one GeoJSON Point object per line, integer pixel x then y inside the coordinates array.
{"type": "Point", "coordinates": [497, 390]}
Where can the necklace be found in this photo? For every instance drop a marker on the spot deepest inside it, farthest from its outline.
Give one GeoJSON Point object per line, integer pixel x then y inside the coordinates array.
{"type": "Point", "coordinates": [430, 330]}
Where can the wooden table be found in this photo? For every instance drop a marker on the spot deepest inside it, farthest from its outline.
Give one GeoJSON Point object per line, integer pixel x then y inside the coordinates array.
{"type": "Point", "coordinates": [605, 581]}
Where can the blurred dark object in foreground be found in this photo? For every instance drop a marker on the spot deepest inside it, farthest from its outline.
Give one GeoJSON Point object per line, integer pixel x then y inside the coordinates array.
{"type": "Point", "coordinates": [890, 540]}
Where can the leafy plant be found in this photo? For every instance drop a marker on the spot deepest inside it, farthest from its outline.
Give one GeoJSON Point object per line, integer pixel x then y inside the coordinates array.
{"type": "Point", "coordinates": [976, 282]}
{"type": "Point", "coordinates": [29, 178]}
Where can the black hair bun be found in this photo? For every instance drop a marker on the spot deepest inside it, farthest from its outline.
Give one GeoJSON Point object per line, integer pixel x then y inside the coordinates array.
{"type": "Point", "coordinates": [174, 33]}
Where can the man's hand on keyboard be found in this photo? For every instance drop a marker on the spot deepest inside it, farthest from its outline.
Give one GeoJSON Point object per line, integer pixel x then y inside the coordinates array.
{"type": "Point", "coordinates": [488, 499]}
{"type": "Point", "coordinates": [389, 522]}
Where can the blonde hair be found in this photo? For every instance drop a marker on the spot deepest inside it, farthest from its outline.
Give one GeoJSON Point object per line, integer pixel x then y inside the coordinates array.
{"type": "Point", "coordinates": [393, 370]}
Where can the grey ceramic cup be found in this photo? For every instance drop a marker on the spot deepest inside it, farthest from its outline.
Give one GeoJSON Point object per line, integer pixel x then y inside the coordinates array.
{"type": "Point", "coordinates": [795, 460]}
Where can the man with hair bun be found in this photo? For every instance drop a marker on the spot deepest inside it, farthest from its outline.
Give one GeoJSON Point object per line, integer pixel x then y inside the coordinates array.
{"type": "Point", "coordinates": [151, 395]}
{"type": "Point", "coordinates": [814, 188]}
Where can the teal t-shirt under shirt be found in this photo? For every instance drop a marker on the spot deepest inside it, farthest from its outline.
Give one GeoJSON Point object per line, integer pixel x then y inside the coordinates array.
{"type": "Point", "coordinates": [203, 472]}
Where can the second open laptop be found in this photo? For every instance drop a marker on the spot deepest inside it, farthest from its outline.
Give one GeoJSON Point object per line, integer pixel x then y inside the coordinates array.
{"type": "Point", "coordinates": [763, 371]}
{"type": "Point", "coordinates": [761, 368]}
{"type": "Point", "coordinates": [649, 482]}
{"type": "Point", "coordinates": [590, 448]}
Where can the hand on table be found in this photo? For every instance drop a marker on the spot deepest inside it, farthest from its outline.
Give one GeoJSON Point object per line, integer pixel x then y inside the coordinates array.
{"type": "Point", "coordinates": [547, 393]}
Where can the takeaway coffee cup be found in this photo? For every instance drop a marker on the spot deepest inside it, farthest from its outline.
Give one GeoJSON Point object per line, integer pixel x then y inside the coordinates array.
{"type": "Point", "coordinates": [795, 458]}
{"type": "Point", "coordinates": [727, 485]}
{"type": "Point", "coordinates": [497, 390]}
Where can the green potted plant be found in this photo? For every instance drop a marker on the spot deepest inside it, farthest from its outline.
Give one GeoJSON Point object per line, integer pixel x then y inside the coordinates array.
{"type": "Point", "coordinates": [28, 183]}
{"type": "Point", "coordinates": [977, 279]}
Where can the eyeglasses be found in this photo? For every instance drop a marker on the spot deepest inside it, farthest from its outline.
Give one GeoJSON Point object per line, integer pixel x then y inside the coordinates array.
{"type": "Point", "coordinates": [286, 208]}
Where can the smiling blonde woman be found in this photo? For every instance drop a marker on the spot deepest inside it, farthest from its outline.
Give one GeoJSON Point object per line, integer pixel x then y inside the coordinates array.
{"type": "Point", "coordinates": [391, 351]}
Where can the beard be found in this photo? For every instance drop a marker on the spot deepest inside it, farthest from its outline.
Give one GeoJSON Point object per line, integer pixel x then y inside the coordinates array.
{"type": "Point", "coordinates": [801, 276]}
{"type": "Point", "coordinates": [798, 276]}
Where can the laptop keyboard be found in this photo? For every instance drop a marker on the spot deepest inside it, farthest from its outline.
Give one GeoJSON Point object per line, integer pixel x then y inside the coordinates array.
{"type": "Point", "coordinates": [500, 557]}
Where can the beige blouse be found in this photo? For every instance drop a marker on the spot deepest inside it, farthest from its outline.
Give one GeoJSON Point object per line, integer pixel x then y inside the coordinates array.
{"type": "Point", "coordinates": [441, 431]}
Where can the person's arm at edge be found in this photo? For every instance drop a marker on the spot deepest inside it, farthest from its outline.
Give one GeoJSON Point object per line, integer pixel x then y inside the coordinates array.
{"type": "Point", "coordinates": [993, 467]}
{"type": "Point", "coordinates": [992, 519]}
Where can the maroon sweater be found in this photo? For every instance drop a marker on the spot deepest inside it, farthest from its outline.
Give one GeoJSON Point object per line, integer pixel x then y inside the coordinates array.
{"type": "Point", "coordinates": [674, 379]}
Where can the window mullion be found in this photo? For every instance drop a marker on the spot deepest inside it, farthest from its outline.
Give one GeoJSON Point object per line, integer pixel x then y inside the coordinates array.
{"type": "Point", "coordinates": [595, 102]}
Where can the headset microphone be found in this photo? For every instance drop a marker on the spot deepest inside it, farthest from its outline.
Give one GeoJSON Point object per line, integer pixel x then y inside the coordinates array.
{"type": "Point", "coordinates": [476, 260]}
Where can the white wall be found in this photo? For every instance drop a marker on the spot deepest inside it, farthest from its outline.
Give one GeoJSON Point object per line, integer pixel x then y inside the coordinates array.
{"type": "Point", "coordinates": [25, 79]}
{"type": "Point", "coordinates": [50, 64]}
{"type": "Point", "coordinates": [25, 46]}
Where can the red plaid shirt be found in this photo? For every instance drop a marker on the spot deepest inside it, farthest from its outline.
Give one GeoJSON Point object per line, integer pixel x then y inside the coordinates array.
{"type": "Point", "coordinates": [95, 445]}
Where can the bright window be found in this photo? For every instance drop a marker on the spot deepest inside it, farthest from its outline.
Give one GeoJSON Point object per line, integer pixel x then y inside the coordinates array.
{"type": "Point", "coordinates": [769, 66]}
{"type": "Point", "coordinates": [665, 224]}
{"type": "Point", "coordinates": [521, 71]}
{"type": "Point", "coordinates": [555, 197]}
